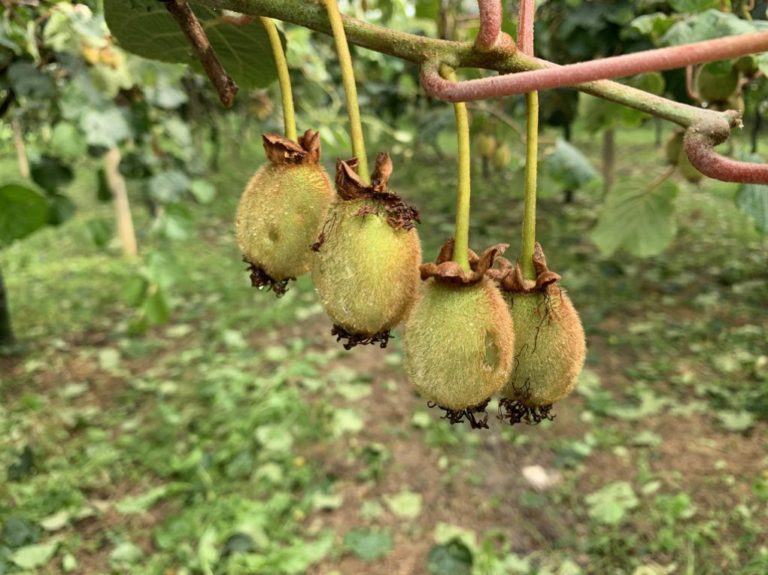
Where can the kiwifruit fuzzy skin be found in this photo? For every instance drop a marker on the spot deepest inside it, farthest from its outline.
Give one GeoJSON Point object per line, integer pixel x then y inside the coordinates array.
{"type": "Point", "coordinates": [459, 343]}
{"type": "Point", "coordinates": [687, 169]}
{"type": "Point", "coordinates": [716, 87]}
{"type": "Point", "coordinates": [365, 272]}
{"type": "Point", "coordinates": [549, 347]}
{"type": "Point", "coordinates": [279, 216]}
{"type": "Point", "coordinates": [673, 147]}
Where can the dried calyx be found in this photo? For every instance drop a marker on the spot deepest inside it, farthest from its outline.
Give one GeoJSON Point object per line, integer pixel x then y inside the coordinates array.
{"type": "Point", "coordinates": [459, 338]}
{"type": "Point", "coordinates": [365, 268]}
{"type": "Point", "coordinates": [281, 210]}
{"type": "Point", "coordinates": [550, 344]}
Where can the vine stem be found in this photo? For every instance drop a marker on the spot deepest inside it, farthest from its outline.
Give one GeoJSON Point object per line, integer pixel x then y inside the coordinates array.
{"type": "Point", "coordinates": [350, 89]}
{"type": "Point", "coordinates": [525, 44]}
{"type": "Point", "coordinates": [464, 188]}
{"type": "Point", "coordinates": [283, 78]}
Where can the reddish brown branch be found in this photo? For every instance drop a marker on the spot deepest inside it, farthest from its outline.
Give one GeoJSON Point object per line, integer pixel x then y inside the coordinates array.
{"type": "Point", "coordinates": [582, 72]}
{"type": "Point", "coordinates": [490, 24]}
{"type": "Point", "coordinates": [699, 144]}
{"type": "Point", "coordinates": [190, 25]}
{"type": "Point", "coordinates": [525, 26]}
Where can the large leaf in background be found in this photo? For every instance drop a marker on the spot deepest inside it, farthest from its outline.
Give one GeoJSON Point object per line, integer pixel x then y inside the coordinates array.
{"type": "Point", "coordinates": [636, 219]}
{"type": "Point", "coordinates": [23, 211]}
{"type": "Point", "coordinates": [708, 25]}
{"type": "Point", "coordinates": [752, 199]}
{"type": "Point", "coordinates": [146, 28]}
{"type": "Point", "coordinates": [569, 167]}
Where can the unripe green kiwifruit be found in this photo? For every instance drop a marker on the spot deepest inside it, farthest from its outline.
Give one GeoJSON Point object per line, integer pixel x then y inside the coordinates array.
{"type": "Point", "coordinates": [550, 349]}
{"type": "Point", "coordinates": [687, 169]}
{"type": "Point", "coordinates": [715, 85]}
{"type": "Point", "coordinates": [550, 346]}
{"type": "Point", "coordinates": [459, 343]}
{"type": "Point", "coordinates": [673, 147]}
{"type": "Point", "coordinates": [282, 209]}
{"type": "Point", "coordinates": [747, 65]}
{"type": "Point", "coordinates": [366, 265]}
{"type": "Point", "coordinates": [486, 145]}
{"type": "Point", "coordinates": [502, 156]}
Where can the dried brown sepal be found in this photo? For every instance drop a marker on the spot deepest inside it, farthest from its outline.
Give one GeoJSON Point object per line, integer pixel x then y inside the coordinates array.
{"type": "Point", "coordinates": [514, 411]}
{"type": "Point", "coordinates": [457, 416]}
{"type": "Point", "coordinates": [446, 271]}
{"type": "Point", "coordinates": [350, 186]}
{"type": "Point", "coordinates": [511, 278]}
{"type": "Point", "coordinates": [382, 338]}
{"type": "Point", "coordinates": [262, 280]}
{"type": "Point", "coordinates": [282, 151]}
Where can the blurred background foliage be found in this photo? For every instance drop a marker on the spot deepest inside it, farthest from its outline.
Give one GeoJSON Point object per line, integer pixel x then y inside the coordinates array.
{"type": "Point", "coordinates": [158, 416]}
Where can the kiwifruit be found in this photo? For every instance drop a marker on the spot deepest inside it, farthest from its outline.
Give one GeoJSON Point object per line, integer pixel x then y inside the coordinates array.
{"type": "Point", "coordinates": [486, 145]}
{"type": "Point", "coordinates": [747, 65]}
{"type": "Point", "coordinates": [282, 209]}
{"type": "Point", "coordinates": [715, 84]}
{"type": "Point", "coordinates": [549, 343]}
{"type": "Point", "coordinates": [502, 156]}
{"type": "Point", "coordinates": [673, 146]}
{"type": "Point", "coordinates": [687, 169]}
{"type": "Point", "coordinates": [459, 338]}
{"type": "Point", "coordinates": [366, 265]}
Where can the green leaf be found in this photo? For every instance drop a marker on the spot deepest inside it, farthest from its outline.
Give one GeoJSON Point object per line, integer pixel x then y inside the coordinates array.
{"type": "Point", "coordinates": [203, 191]}
{"type": "Point", "coordinates": [23, 211]}
{"type": "Point", "coordinates": [125, 554]}
{"type": "Point", "coordinates": [737, 421]}
{"type": "Point", "coordinates": [29, 82]}
{"type": "Point", "coordinates": [60, 209]}
{"type": "Point", "coordinates": [451, 558]}
{"type": "Point", "coordinates": [707, 25]}
{"type": "Point", "coordinates": [637, 220]}
{"type": "Point", "coordinates": [427, 9]}
{"type": "Point", "coordinates": [101, 232]}
{"type": "Point", "coordinates": [33, 556]}
{"type": "Point", "coordinates": [146, 28]}
{"type": "Point", "coordinates": [569, 167]}
{"type": "Point", "coordinates": [135, 290]}
{"type": "Point", "coordinates": [156, 308]}
{"type": "Point", "coordinates": [367, 544]}
{"type": "Point", "coordinates": [405, 505]}
{"type": "Point", "coordinates": [105, 128]}
{"type": "Point", "coordinates": [168, 186]}
{"type": "Point", "coordinates": [141, 503]}
{"type": "Point", "coordinates": [610, 504]}
{"type": "Point", "coordinates": [695, 5]}
{"type": "Point", "coordinates": [752, 199]}
{"type": "Point", "coordinates": [67, 142]}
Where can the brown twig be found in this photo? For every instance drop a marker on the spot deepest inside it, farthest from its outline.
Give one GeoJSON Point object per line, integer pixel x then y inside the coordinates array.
{"type": "Point", "coordinates": [583, 72]}
{"type": "Point", "coordinates": [699, 142]}
{"type": "Point", "coordinates": [490, 24]}
{"type": "Point", "coordinates": [525, 26]}
{"type": "Point", "coordinates": [190, 25]}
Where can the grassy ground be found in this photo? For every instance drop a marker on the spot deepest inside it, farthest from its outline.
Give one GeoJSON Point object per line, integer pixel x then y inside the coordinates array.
{"type": "Point", "coordinates": [240, 438]}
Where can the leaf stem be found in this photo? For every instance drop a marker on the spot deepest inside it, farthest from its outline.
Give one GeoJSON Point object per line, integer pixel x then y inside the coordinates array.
{"type": "Point", "coordinates": [463, 192]}
{"type": "Point", "coordinates": [283, 77]}
{"type": "Point", "coordinates": [348, 80]}
{"type": "Point", "coordinates": [531, 162]}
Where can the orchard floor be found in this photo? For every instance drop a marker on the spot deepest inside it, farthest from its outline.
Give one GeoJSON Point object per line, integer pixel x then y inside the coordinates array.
{"type": "Point", "coordinates": [241, 438]}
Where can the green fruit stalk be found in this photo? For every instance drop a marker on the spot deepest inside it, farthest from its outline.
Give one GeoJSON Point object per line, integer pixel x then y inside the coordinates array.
{"type": "Point", "coordinates": [549, 343]}
{"type": "Point", "coordinates": [281, 211]}
{"type": "Point", "coordinates": [366, 265]}
{"type": "Point", "coordinates": [459, 337]}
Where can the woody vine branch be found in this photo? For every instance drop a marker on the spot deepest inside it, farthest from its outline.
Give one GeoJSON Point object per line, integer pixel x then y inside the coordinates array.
{"type": "Point", "coordinates": [521, 73]}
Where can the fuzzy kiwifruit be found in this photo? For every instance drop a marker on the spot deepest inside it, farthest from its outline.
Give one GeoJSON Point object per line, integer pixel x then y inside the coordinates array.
{"type": "Point", "coordinates": [366, 269]}
{"type": "Point", "coordinates": [673, 147]}
{"type": "Point", "coordinates": [486, 145]}
{"type": "Point", "coordinates": [716, 82]}
{"type": "Point", "coordinates": [687, 169]}
{"type": "Point", "coordinates": [282, 209]}
{"type": "Point", "coordinates": [459, 338]}
{"type": "Point", "coordinates": [502, 156]}
{"type": "Point", "coordinates": [549, 344]}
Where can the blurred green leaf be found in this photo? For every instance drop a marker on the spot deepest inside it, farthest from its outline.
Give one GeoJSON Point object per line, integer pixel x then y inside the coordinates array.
{"type": "Point", "coordinates": [146, 28]}
{"type": "Point", "coordinates": [568, 166]}
{"type": "Point", "coordinates": [33, 556]}
{"type": "Point", "coordinates": [451, 558]}
{"type": "Point", "coordinates": [204, 192]}
{"type": "Point", "coordinates": [752, 199]}
{"type": "Point", "coordinates": [367, 544]}
{"type": "Point", "coordinates": [636, 219]}
{"type": "Point", "coordinates": [405, 505]}
{"type": "Point", "coordinates": [610, 504]}
{"type": "Point", "coordinates": [23, 211]}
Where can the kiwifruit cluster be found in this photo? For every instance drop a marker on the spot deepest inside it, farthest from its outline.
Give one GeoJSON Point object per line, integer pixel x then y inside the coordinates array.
{"type": "Point", "coordinates": [470, 337]}
{"type": "Point", "coordinates": [470, 333]}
